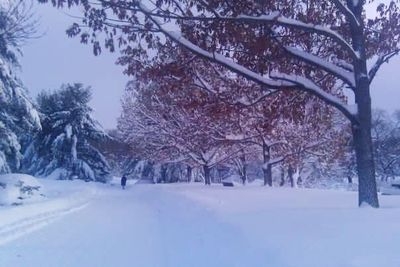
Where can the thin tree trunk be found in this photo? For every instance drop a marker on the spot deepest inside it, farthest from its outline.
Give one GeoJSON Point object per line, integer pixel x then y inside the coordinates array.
{"type": "Point", "coordinates": [282, 183]}
{"type": "Point", "coordinates": [299, 179]}
{"type": "Point", "coordinates": [267, 168]}
{"type": "Point", "coordinates": [243, 172]}
{"type": "Point", "coordinates": [367, 191]}
{"type": "Point", "coordinates": [163, 173]}
{"type": "Point", "coordinates": [290, 175]}
{"type": "Point", "coordinates": [189, 173]}
{"type": "Point", "coordinates": [349, 179]}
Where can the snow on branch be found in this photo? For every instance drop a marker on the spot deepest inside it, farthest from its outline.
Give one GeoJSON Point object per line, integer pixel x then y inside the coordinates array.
{"type": "Point", "coordinates": [278, 81]}
{"type": "Point", "coordinates": [238, 139]}
{"type": "Point", "coordinates": [275, 143]}
{"type": "Point", "coordinates": [215, 57]}
{"type": "Point", "coordinates": [346, 76]}
{"type": "Point", "coordinates": [379, 62]}
{"type": "Point", "coordinates": [272, 162]}
{"type": "Point", "coordinates": [344, 64]}
{"type": "Point", "coordinates": [309, 86]}
{"type": "Point", "coordinates": [274, 17]}
{"type": "Point", "coordinates": [347, 12]}
{"type": "Point", "coordinates": [277, 18]}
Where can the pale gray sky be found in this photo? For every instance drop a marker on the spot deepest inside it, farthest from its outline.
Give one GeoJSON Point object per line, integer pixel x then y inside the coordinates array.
{"type": "Point", "coordinates": [55, 59]}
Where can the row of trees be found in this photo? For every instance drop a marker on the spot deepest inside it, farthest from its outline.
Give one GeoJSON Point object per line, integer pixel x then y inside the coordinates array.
{"type": "Point", "coordinates": [317, 47]}
{"type": "Point", "coordinates": [182, 110]}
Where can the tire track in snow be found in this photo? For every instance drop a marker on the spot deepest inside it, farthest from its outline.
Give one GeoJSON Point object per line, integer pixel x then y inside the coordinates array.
{"type": "Point", "coordinates": [20, 228]}
{"type": "Point", "coordinates": [19, 221]}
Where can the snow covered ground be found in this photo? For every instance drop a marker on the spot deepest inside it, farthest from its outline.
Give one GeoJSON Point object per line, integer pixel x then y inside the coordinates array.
{"type": "Point", "coordinates": [61, 197]}
{"type": "Point", "coordinates": [192, 225]}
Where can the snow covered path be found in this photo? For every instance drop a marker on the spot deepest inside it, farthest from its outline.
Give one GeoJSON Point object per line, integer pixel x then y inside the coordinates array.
{"type": "Point", "coordinates": [193, 226]}
{"type": "Point", "coordinates": [143, 226]}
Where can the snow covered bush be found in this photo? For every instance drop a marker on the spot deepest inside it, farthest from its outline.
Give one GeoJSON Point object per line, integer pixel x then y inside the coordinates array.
{"type": "Point", "coordinates": [68, 138]}
{"type": "Point", "coordinates": [16, 189]}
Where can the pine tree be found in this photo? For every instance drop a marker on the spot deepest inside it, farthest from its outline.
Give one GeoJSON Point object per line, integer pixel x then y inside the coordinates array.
{"type": "Point", "coordinates": [18, 116]}
{"type": "Point", "coordinates": [66, 146]}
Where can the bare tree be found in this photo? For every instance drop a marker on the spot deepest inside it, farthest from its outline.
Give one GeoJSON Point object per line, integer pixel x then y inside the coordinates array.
{"type": "Point", "coordinates": [386, 140]}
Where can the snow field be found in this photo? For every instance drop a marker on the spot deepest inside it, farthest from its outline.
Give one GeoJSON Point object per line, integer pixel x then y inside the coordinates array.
{"type": "Point", "coordinates": [301, 227]}
{"type": "Point", "coordinates": [181, 225]}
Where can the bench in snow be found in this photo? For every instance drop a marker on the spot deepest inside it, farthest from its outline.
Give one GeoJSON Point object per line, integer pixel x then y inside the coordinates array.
{"type": "Point", "coordinates": [230, 184]}
{"type": "Point", "coordinates": [393, 189]}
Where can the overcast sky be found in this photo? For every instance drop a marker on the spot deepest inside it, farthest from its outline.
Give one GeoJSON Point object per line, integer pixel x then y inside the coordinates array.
{"type": "Point", "coordinates": [55, 59]}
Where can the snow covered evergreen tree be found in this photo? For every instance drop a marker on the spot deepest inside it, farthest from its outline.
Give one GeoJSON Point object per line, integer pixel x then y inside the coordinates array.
{"type": "Point", "coordinates": [65, 148]}
{"type": "Point", "coordinates": [18, 116]}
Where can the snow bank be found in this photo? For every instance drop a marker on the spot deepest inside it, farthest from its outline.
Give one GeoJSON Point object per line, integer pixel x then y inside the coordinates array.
{"type": "Point", "coordinates": [16, 189]}
{"type": "Point", "coordinates": [58, 174]}
{"type": "Point", "coordinates": [62, 197]}
{"type": "Point", "coordinates": [256, 183]}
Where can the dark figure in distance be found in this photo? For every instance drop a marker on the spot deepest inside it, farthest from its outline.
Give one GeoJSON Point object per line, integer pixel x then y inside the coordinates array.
{"type": "Point", "coordinates": [123, 181]}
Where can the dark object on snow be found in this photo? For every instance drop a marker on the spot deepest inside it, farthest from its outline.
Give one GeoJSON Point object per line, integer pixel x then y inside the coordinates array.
{"type": "Point", "coordinates": [123, 182]}
{"type": "Point", "coordinates": [230, 184]}
{"type": "Point", "coordinates": [393, 189]}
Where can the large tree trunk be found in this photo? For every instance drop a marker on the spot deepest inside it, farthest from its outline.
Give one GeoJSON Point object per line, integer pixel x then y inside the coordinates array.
{"type": "Point", "coordinates": [164, 168]}
{"type": "Point", "coordinates": [207, 176]}
{"type": "Point", "coordinates": [267, 168]}
{"type": "Point", "coordinates": [367, 191]}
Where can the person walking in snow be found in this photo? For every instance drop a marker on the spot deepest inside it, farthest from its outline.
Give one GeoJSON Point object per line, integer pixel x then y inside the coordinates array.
{"type": "Point", "coordinates": [123, 181]}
